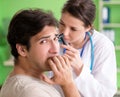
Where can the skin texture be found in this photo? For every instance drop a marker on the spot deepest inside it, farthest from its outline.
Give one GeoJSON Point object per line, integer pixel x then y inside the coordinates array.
{"type": "Point", "coordinates": [43, 55]}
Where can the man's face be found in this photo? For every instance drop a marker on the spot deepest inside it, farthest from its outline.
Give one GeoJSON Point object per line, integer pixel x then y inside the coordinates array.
{"type": "Point", "coordinates": [44, 45]}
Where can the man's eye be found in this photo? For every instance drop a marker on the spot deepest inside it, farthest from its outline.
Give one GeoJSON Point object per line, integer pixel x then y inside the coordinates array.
{"type": "Point", "coordinates": [43, 41]}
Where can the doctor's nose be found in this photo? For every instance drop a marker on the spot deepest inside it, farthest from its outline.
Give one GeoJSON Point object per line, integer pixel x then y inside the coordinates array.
{"type": "Point", "coordinates": [66, 33]}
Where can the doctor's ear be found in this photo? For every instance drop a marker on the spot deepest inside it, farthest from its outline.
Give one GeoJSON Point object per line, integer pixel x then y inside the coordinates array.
{"type": "Point", "coordinates": [21, 49]}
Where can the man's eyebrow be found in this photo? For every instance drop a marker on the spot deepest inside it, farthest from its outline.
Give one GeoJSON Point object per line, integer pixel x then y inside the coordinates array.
{"type": "Point", "coordinates": [43, 37]}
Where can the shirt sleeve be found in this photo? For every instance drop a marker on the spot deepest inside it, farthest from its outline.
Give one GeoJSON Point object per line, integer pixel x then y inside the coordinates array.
{"type": "Point", "coordinates": [34, 93]}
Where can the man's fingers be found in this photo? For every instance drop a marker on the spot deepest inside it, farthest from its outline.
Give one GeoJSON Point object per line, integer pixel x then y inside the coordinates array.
{"type": "Point", "coordinates": [46, 79]}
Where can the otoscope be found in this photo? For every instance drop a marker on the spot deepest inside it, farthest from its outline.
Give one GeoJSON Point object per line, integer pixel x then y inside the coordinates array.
{"type": "Point", "coordinates": [62, 39]}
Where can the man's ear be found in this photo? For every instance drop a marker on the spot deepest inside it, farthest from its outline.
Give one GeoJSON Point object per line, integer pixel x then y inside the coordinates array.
{"type": "Point", "coordinates": [21, 50]}
{"type": "Point", "coordinates": [88, 28]}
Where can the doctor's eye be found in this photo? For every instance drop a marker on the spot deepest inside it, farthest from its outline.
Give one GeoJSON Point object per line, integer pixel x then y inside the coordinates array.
{"type": "Point", "coordinates": [61, 24]}
{"type": "Point", "coordinates": [73, 29]}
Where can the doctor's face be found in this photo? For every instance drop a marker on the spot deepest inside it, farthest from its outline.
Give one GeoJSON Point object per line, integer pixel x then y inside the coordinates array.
{"type": "Point", "coordinates": [72, 28]}
{"type": "Point", "coordinates": [43, 46]}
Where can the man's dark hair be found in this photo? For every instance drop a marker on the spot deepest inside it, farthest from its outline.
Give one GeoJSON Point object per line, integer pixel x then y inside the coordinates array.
{"type": "Point", "coordinates": [25, 24]}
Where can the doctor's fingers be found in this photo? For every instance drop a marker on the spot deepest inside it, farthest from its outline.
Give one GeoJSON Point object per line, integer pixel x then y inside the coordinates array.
{"type": "Point", "coordinates": [71, 55]}
{"type": "Point", "coordinates": [69, 48]}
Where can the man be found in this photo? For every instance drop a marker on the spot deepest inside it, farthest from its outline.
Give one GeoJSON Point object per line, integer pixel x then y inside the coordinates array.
{"type": "Point", "coordinates": [33, 38]}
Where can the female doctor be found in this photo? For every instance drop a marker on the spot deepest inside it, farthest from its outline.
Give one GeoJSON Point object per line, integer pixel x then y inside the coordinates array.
{"type": "Point", "coordinates": [92, 55]}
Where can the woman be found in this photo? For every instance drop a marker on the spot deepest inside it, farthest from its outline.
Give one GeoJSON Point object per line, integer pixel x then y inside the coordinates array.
{"type": "Point", "coordinates": [92, 55]}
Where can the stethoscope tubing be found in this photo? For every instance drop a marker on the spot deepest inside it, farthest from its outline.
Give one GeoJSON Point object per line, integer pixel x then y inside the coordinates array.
{"type": "Point", "coordinates": [92, 51]}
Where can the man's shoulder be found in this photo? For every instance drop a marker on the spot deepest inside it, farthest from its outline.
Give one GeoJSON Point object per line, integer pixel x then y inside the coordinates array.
{"type": "Point", "coordinates": [28, 87]}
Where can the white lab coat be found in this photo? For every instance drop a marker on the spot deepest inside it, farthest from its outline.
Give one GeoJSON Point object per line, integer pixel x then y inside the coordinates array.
{"type": "Point", "coordinates": [101, 81]}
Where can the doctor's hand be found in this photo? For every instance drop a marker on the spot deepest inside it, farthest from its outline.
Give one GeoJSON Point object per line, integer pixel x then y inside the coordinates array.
{"type": "Point", "coordinates": [62, 71]}
{"type": "Point", "coordinates": [74, 57]}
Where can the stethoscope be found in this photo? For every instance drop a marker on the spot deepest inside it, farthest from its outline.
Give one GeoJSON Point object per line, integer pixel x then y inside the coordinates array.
{"type": "Point", "coordinates": [81, 53]}
{"type": "Point", "coordinates": [92, 50]}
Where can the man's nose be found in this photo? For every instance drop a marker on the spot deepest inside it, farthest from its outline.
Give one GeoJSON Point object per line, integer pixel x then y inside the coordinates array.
{"type": "Point", "coordinates": [55, 47]}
